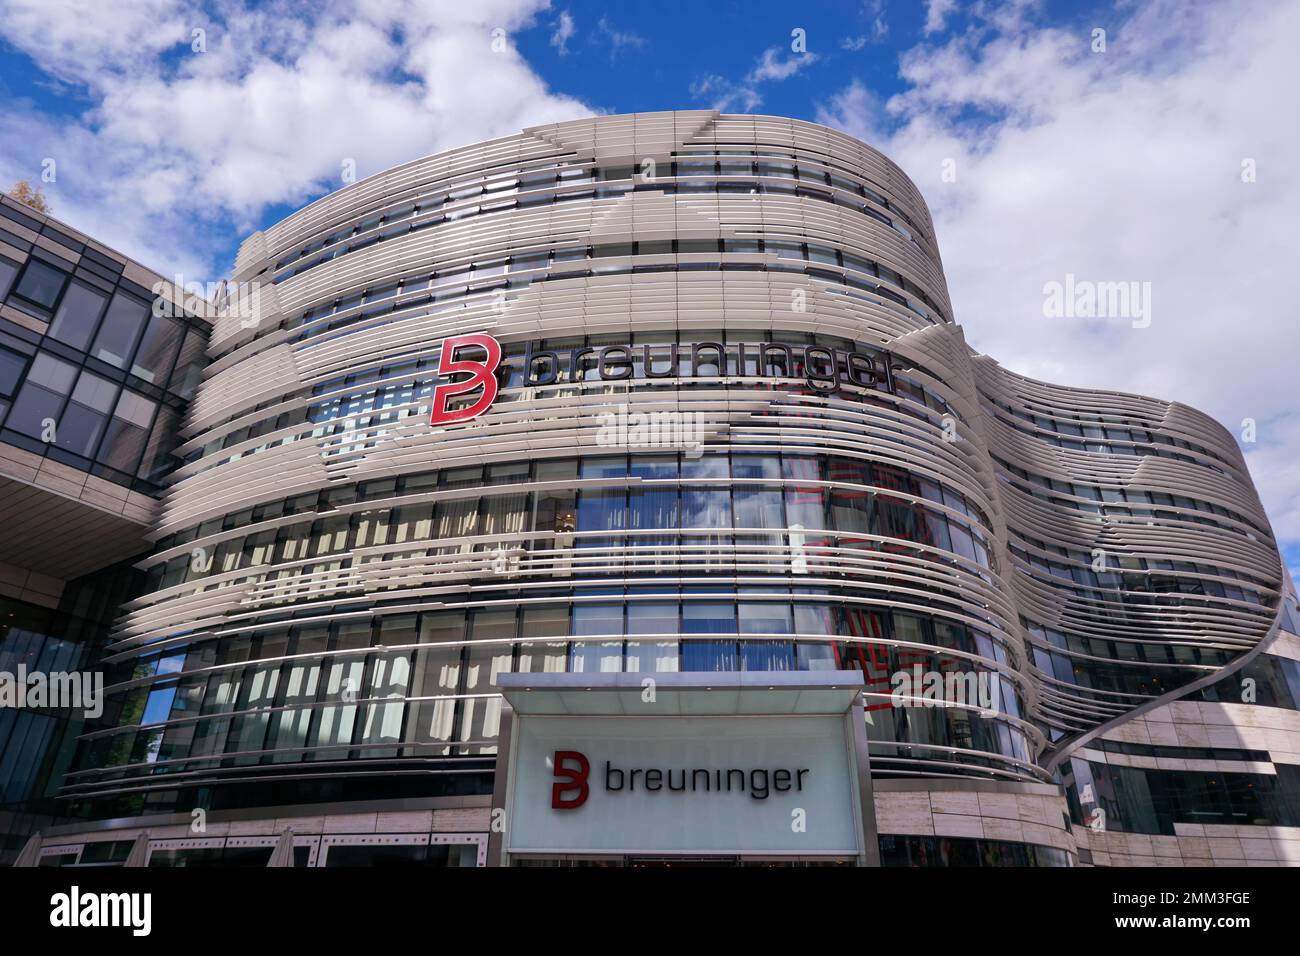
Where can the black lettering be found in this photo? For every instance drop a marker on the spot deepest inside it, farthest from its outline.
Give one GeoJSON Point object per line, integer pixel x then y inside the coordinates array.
{"type": "Point", "coordinates": [551, 366]}
{"type": "Point", "coordinates": [631, 778]}
{"type": "Point", "coordinates": [821, 381]}
{"type": "Point", "coordinates": [621, 363]}
{"type": "Point", "coordinates": [679, 789]}
{"type": "Point", "coordinates": [721, 362]}
{"type": "Point", "coordinates": [868, 377]}
{"type": "Point", "coordinates": [758, 784]}
{"type": "Point", "coordinates": [741, 784]}
{"type": "Point", "coordinates": [611, 770]}
{"type": "Point", "coordinates": [799, 785]}
{"type": "Point", "coordinates": [695, 779]}
{"type": "Point", "coordinates": [649, 363]}
{"type": "Point", "coordinates": [654, 779]}
{"type": "Point", "coordinates": [767, 368]}
{"type": "Point", "coordinates": [781, 780]}
{"type": "Point", "coordinates": [576, 371]}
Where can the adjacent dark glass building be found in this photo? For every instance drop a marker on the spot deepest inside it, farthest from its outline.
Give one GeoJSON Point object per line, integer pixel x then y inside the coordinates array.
{"type": "Point", "coordinates": [94, 382]}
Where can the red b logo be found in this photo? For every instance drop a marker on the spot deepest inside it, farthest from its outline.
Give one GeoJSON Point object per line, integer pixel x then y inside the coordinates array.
{"type": "Point", "coordinates": [566, 778]}
{"type": "Point", "coordinates": [481, 374]}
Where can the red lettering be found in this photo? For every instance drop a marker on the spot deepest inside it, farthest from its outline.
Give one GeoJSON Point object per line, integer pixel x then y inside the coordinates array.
{"type": "Point", "coordinates": [567, 778]}
{"type": "Point", "coordinates": [481, 375]}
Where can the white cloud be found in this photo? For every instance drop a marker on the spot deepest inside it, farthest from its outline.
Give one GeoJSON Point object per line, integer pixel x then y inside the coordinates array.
{"type": "Point", "coordinates": [857, 111]}
{"type": "Point", "coordinates": [771, 66]}
{"type": "Point", "coordinates": [724, 95]}
{"type": "Point", "coordinates": [618, 40]}
{"type": "Point", "coordinates": [936, 14]}
{"type": "Point", "coordinates": [1121, 166]}
{"type": "Point", "coordinates": [564, 30]}
{"type": "Point", "coordinates": [875, 10]}
{"type": "Point", "coordinates": [71, 37]}
{"type": "Point", "coordinates": [178, 147]}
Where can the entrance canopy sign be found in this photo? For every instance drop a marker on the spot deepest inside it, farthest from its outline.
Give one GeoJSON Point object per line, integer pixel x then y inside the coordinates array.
{"type": "Point", "coordinates": [750, 764]}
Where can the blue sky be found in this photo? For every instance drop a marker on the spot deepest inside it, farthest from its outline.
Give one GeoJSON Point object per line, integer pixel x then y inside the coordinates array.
{"type": "Point", "coordinates": [612, 58]}
{"type": "Point", "coordinates": [1123, 163]}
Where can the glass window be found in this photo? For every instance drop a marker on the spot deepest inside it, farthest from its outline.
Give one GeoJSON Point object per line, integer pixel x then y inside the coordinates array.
{"type": "Point", "coordinates": [709, 508]}
{"type": "Point", "coordinates": [599, 619]}
{"type": "Point", "coordinates": [615, 467]}
{"type": "Point", "coordinates": [766, 617]}
{"type": "Point", "coordinates": [485, 662]}
{"type": "Point", "coordinates": [189, 367]}
{"type": "Point", "coordinates": [505, 514]}
{"type": "Point", "coordinates": [706, 466]}
{"type": "Point", "coordinates": [341, 681]}
{"type": "Point", "coordinates": [494, 625]}
{"type": "Point", "coordinates": [657, 617]}
{"type": "Point", "coordinates": [805, 507]}
{"type": "Point", "coordinates": [651, 656]}
{"type": "Point", "coordinates": [601, 511]}
{"type": "Point", "coordinates": [12, 366]}
{"type": "Point", "coordinates": [437, 671]}
{"type": "Point", "coordinates": [483, 716]}
{"type": "Point", "coordinates": [84, 418]}
{"type": "Point", "coordinates": [41, 283]}
{"type": "Point", "coordinates": [708, 618]}
{"type": "Point", "coordinates": [711, 656]}
{"type": "Point", "coordinates": [543, 657]}
{"type": "Point", "coordinates": [596, 657]}
{"type": "Point", "coordinates": [121, 329]}
{"type": "Point", "coordinates": [162, 337]}
{"type": "Point", "coordinates": [851, 510]}
{"type": "Point", "coordinates": [545, 621]}
{"type": "Point", "coordinates": [7, 272]}
{"type": "Point", "coordinates": [816, 657]}
{"type": "Point", "coordinates": [759, 507]}
{"type": "Point", "coordinates": [767, 655]}
{"type": "Point", "coordinates": [127, 431]}
{"type": "Point", "coordinates": [42, 395]}
{"type": "Point", "coordinates": [814, 619]}
{"type": "Point", "coordinates": [962, 542]}
{"type": "Point", "coordinates": [439, 626]}
{"type": "Point", "coordinates": [158, 460]}
{"type": "Point", "coordinates": [159, 705]}
{"type": "Point", "coordinates": [78, 314]}
{"type": "Point", "coordinates": [756, 466]}
{"type": "Point", "coordinates": [652, 508]}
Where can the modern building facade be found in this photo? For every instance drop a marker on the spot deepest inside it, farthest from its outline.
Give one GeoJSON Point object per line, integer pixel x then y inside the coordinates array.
{"type": "Point", "coordinates": [94, 382]}
{"type": "Point", "coordinates": [677, 394]}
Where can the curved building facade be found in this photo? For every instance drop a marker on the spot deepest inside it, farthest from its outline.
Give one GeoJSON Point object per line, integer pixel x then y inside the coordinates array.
{"type": "Point", "coordinates": [662, 393]}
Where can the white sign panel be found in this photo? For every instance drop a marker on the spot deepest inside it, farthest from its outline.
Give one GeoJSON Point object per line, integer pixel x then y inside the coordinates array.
{"type": "Point", "coordinates": [682, 785]}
